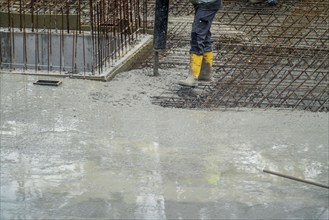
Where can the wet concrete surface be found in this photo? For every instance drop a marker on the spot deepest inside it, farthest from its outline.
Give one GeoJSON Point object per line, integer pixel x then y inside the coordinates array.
{"type": "Point", "coordinates": [95, 150]}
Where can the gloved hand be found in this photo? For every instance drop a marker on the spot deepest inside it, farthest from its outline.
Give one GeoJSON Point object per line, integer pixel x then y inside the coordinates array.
{"type": "Point", "coordinates": [272, 2]}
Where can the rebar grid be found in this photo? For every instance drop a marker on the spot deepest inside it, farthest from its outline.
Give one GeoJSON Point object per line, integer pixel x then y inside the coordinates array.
{"type": "Point", "coordinates": [112, 25]}
{"type": "Point", "coordinates": [265, 57]}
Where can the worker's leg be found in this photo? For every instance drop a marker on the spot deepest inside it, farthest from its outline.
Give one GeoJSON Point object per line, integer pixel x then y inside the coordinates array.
{"type": "Point", "coordinates": [201, 42]}
{"type": "Point", "coordinates": [200, 30]}
{"type": "Point", "coordinates": [206, 67]}
{"type": "Point", "coordinates": [201, 35]}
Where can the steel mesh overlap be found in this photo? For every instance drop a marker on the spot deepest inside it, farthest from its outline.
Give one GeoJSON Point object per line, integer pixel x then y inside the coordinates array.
{"type": "Point", "coordinates": [265, 57]}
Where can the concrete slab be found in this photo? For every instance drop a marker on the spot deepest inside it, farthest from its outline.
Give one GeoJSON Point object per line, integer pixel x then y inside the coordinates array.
{"type": "Point", "coordinates": [100, 150]}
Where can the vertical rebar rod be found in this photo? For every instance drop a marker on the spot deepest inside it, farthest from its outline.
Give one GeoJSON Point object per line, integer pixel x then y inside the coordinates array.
{"type": "Point", "coordinates": [32, 15]}
{"type": "Point", "coordinates": [48, 48]}
{"type": "Point", "coordinates": [79, 16]}
{"type": "Point", "coordinates": [20, 15]}
{"type": "Point", "coordinates": [36, 50]}
{"type": "Point", "coordinates": [1, 59]}
{"type": "Point", "coordinates": [8, 7]}
{"type": "Point", "coordinates": [67, 16]}
{"type": "Point", "coordinates": [55, 19]}
{"type": "Point", "coordinates": [145, 16]}
{"type": "Point", "coordinates": [84, 54]}
{"type": "Point", "coordinates": [61, 49]}
{"type": "Point", "coordinates": [13, 57]}
{"type": "Point", "coordinates": [73, 54]}
{"type": "Point", "coordinates": [91, 14]}
{"type": "Point", "coordinates": [114, 39]}
{"type": "Point", "coordinates": [25, 60]}
{"type": "Point", "coordinates": [120, 28]}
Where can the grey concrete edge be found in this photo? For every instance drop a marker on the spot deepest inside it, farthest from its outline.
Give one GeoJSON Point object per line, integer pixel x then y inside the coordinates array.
{"type": "Point", "coordinates": [131, 59]}
{"type": "Point", "coordinates": [46, 74]}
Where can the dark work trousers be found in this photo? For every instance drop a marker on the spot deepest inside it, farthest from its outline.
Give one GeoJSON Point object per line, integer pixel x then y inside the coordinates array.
{"type": "Point", "coordinates": [201, 36]}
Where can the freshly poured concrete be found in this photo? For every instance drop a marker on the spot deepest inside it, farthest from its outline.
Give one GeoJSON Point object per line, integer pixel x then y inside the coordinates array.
{"type": "Point", "coordinates": [94, 150]}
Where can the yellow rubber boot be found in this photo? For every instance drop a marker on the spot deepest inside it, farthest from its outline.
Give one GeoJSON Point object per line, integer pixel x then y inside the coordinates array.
{"type": "Point", "coordinates": [205, 73]}
{"type": "Point", "coordinates": [195, 68]}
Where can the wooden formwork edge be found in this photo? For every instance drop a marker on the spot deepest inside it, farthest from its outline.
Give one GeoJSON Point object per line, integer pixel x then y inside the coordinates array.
{"type": "Point", "coordinates": [132, 59]}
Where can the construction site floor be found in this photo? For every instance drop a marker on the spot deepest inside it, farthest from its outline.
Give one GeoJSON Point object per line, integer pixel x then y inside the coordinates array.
{"type": "Point", "coordinates": [102, 150]}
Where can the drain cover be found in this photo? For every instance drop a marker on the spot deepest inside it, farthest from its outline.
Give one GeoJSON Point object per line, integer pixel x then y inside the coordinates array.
{"type": "Point", "coordinates": [48, 82]}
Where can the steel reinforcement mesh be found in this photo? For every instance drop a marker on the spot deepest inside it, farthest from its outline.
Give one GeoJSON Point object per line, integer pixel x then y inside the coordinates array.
{"type": "Point", "coordinates": [112, 26]}
{"type": "Point", "coordinates": [264, 56]}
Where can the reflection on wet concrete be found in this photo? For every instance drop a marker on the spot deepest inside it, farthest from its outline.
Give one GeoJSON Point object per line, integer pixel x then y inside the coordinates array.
{"type": "Point", "coordinates": [150, 200]}
{"type": "Point", "coordinates": [65, 156]}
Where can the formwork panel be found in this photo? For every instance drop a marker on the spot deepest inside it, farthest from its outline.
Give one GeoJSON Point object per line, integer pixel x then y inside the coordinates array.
{"type": "Point", "coordinates": [39, 51]}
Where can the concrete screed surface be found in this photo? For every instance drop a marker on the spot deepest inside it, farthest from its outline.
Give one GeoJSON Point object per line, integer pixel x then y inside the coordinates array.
{"type": "Point", "coordinates": [100, 150]}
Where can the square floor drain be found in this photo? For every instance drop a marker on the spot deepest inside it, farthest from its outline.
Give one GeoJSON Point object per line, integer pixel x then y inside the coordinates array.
{"type": "Point", "coordinates": [47, 82]}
